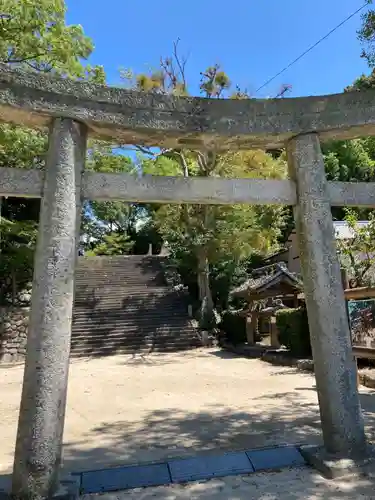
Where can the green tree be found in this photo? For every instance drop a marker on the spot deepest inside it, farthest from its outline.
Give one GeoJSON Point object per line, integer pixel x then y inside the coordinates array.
{"type": "Point", "coordinates": [114, 243]}
{"type": "Point", "coordinates": [350, 161]}
{"type": "Point", "coordinates": [209, 232]}
{"type": "Point", "coordinates": [357, 254]}
{"type": "Point", "coordinates": [34, 36]}
{"type": "Point", "coordinates": [354, 160]}
{"type": "Point", "coordinates": [102, 218]}
{"type": "Point", "coordinates": [366, 35]}
{"type": "Point", "coordinates": [18, 242]}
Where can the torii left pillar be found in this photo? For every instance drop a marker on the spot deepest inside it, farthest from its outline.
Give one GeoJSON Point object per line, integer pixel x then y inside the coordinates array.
{"type": "Point", "coordinates": [42, 413]}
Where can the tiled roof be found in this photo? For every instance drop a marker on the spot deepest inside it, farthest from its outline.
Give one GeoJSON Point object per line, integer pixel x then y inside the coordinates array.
{"type": "Point", "coordinates": [269, 277]}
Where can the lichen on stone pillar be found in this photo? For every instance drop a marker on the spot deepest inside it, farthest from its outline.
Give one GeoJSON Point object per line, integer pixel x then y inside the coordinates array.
{"type": "Point", "coordinates": [41, 420]}
{"type": "Point", "coordinates": [341, 415]}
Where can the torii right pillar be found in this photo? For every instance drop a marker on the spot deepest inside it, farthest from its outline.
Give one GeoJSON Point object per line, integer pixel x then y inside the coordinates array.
{"type": "Point", "coordinates": [345, 445]}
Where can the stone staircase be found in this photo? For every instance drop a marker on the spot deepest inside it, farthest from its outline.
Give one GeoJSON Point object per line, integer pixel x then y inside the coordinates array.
{"type": "Point", "coordinates": [123, 306]}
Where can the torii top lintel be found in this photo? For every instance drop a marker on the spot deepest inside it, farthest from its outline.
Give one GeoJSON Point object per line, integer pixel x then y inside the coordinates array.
{"type": "Point", "coordinates": [130, 117]}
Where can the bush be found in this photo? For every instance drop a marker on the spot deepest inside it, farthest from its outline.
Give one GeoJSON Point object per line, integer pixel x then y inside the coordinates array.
{"type": "Point", "coordinates": [234, 326]}
{"type": "Point", "coordinates": [294, 330]}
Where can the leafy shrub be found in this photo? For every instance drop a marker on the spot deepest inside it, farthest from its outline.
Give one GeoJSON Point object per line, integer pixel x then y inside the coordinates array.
{"type": "Point", "coordinates": [234, 326]}
{"type": "Point", "coordinates": [294, 330]}
{"type": "Point", "coordinates": [114, 243]}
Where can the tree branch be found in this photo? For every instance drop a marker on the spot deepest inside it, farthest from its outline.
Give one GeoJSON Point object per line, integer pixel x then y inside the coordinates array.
{"type": "Point", "coordinates": [180, 63]}
{"type": "Point", "coordinates": [24, 59]}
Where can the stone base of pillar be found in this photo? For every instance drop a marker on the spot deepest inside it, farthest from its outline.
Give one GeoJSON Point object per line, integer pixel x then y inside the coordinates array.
{"type": "Point", "coordinates": [338, 466]}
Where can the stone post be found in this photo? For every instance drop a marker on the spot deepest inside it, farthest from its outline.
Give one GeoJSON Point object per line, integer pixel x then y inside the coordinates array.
{"type": "Point", "coordinates": [274, 333]}
{"type": "Point", "coordinates": [41, 419]}
{"type": "Point", "coordinates": [344, 278]}
{"type": "Point", "coordinates": [335, 370]}
{"type": "Point", "coordinates": [250, 335]}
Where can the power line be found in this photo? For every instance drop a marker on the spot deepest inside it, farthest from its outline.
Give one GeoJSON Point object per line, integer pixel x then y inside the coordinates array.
{"type": "Point", "coordinates": [312, 47]}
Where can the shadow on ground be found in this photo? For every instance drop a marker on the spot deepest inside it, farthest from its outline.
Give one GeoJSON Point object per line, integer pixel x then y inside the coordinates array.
{"type": "Point", "coordinates": [167, 433]}
{"type": "Point", "coordinates": [172, 433]}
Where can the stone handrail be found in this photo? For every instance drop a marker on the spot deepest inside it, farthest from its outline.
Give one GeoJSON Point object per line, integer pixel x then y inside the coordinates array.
{"type": "Point", "coordinates": [131, 117]}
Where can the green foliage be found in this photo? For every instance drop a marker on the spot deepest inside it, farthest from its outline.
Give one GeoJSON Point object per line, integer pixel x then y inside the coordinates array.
{"type": "Point", "coordinates": [33, 34]}
{"type": "Point", "coordinates": [228, 273]}
{"type": "Point", "coordinates": [350, 161]}
{"type": "Point", "coordinates": [366, 35]}
{"type": "Point", "coordinates": [21, 147]}
{"type": "Point", "coordinates": [114, 244]}
{"type": "Point", "coordinates": [235, 230]}
{"type": "Point", "coordinates": [214, 81]}
{"type": "Point", "coordinates": [145, 236]}
{"type": "Point", "coordinates": [233, 323]}
{"type": "Point", "coordinates": [201, 234]}
{"type": "Point", "coordinates": [206, 236]}
{"type": "Point", "coordinates": [357, 254]}
{"type": "Point", "coordinates": [17, 252]}
{"type": "Point", "coordinates": [363, 82]}
{"type": "Point", "coordinates": [103, 219]}
{"type": "Point", "coordinates": [293, 330]}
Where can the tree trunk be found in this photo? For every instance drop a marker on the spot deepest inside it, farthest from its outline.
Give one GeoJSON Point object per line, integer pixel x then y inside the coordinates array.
{"type": "Point", "coordinates": [207, 316]}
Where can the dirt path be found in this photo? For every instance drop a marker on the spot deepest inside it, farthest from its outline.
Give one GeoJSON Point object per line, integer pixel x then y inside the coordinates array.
{"type": "Point", "coordinates": [127, 410]}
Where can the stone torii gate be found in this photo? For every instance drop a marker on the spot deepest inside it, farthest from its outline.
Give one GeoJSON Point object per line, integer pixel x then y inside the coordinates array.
{"type": "Point", "coordinates": [72, 111]}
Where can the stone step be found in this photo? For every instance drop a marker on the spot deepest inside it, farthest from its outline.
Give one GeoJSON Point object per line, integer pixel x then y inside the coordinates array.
{"type": "Point", "coordinates": [129, 300]}
{"type": "Point", "coordinates": [102, 292]}
{"type": "Point", "coordinates": [128, 305]}
{"type": "Point", "coordinates": [134, 338]}
{"type": "Point", "coordinates": [135, 332]}
{"type": "Point", "coordinates": [123, 303]}
{"type": "Point", "coordinates": [128, 323]}
{"type": "Point", "coordinates": [133, 342]}
{"type": "Point", "coordinates": [108, 341]}
{"type": "Point", "coordinates": [132, 332]}
{"type": "Point", "coordinates": [121, 278]}
{"type": "Point", "coordinates": [127, 351]}
{"type": "Point", "coordinates": [119, 309]}
{"type": "Point", "coordinates": [137, 288]}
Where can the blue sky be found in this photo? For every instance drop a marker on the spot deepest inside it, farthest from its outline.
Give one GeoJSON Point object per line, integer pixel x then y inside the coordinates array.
{"type": "Point", "coordinates": [251, 40]}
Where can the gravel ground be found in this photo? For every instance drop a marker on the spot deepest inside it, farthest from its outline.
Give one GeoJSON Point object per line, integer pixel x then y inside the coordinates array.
{"type": "Point", "coordinates": [125, 409]}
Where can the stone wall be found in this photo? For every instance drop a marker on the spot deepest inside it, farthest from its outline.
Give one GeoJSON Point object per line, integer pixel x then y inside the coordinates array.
{"type": "Point", "coordinates": [13, 333]}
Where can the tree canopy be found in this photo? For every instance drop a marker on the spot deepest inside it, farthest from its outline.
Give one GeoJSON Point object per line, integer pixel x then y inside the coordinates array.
{"type": "Point", "coordinates": [34, 36]}
{"type": "Point", "coordinates": [366, 35]}
{"type": "Point", "coordinates": [204, 235]}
